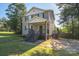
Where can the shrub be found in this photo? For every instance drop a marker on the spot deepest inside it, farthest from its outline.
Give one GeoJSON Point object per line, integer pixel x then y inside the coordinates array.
{"type": "Point", "coordinates": [41, 37]}
{"type": "Point", "coordinates": [69, 35]}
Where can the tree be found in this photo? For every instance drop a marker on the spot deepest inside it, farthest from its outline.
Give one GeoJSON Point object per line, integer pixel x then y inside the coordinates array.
{"type": "Point", "coordinates": [16, 12]}
{"type": "Point", "coordinates": [70, 13]}
{"type": "Point", "coordinates": [3, 22]}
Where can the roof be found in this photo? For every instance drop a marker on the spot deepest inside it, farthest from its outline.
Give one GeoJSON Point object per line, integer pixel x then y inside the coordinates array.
{"type": "Point", "coordinates": [39, 9]}
{"type": "Point", "coordinates": [37, 19]}
{"type": "Point", "coordinates": [42, 10]}
{"type": "Point", "coordinates": [35, 8]}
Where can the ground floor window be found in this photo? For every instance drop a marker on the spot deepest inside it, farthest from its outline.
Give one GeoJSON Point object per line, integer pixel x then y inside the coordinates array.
{"type": "Point", "coordinates": [31, 27]}
{"type": "Point", "coordinates": [25, 27]}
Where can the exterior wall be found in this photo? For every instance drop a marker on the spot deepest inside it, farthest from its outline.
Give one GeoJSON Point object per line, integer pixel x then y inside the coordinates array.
{"type": "Point", "coordinates": [46, 15]}
{"type": "Point", "coordinates": [24, 23]}
{"type": "Point", "coordinates": [51, 22]}
{"type": "Point", "coordinates": [49, 15]}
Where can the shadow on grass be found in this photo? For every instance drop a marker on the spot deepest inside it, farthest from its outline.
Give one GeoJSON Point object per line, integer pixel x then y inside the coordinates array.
{"type": "Point", "coordinates": [16, 46]}
{"type": "Point", "coordinates": [10, 38]}
{"type": "Point", "coordinates": [11, 44]}
{"type": "Point", "coordinates": [41, 50]}
{"type": "Point", "coordinates": [38, 50]}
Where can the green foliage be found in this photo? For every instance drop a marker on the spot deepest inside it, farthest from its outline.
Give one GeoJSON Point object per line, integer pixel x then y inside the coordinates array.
{"type": "Point", "coordinates": [3, 24]}
{"type": "Point", "coordinates": [41, 37]}
{"type": "Point", "coordinates": [70, 18]}
{"type": "Point", "coordinates": [16, 12]}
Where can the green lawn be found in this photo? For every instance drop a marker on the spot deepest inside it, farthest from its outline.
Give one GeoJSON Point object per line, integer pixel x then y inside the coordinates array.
{"type": "Point", "coordinates": [11, 44]}
{"type": "Point", "coordinates": [3, 32]}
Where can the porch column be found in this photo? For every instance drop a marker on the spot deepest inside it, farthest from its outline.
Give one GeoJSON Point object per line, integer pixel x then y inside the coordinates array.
{"type": "Point", "coordinates": [46, 30]}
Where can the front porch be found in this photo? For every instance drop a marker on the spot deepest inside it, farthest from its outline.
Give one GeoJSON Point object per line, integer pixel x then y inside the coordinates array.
{"type": "Point", "coordinates": [39, 28]}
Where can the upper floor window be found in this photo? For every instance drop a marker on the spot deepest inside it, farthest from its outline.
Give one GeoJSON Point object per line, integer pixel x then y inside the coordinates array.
{"type": "Point", "coordinates": [34, 15]}
{"type": "Point", "coordinates": [29, 17]}
{"type": "Point", "coordinates": [40, 15]}
{"type": "Point", "coordinates": [43, 15]}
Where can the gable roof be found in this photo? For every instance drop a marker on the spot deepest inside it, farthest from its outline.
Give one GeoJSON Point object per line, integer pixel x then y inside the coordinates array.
{"type": "Point", "coordinates": [34, 10]}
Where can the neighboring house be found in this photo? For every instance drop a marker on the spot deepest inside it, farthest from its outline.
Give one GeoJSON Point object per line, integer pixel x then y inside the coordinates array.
{"type": "Point", "coordinates": [40, 20]}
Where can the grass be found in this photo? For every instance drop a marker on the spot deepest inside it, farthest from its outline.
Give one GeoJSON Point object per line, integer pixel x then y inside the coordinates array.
{"type": "Point", "coordinates": [13, 48]}
{"type": "Point", "coordinates": [39, 50]}
{"type": "Point", "coordinates": [3, 32]}
{"type": "Point", "coordinates": [10, 38]}
{"type": "Point", "coordinates": [11, 44]}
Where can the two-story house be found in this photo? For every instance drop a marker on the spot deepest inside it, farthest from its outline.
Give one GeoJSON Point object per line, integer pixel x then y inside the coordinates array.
{"type": "Point", "coordinates": [40, 20]}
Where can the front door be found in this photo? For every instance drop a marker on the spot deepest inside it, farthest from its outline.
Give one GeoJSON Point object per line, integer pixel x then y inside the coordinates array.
{"type": "Point", "coordinates": [40, 29]}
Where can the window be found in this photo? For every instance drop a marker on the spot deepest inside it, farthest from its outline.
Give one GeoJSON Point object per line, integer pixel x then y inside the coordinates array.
{"type": "Point", "coordinates": [29, 17]}
{"type": "Point", "coordinates": [34, 15]}
{"type": "Point", "coordinates": [25, 27]}
{"type": "Point", "coordinates": [31, 27]}
{"type": "Point", "coordinates": [41, 29]}
{"type": "Point", "coordinates": [26, 18]}
{"type": "Point", "coordinates": [38, 15]}
{"type": "Point", "coordinates": [43, 15]}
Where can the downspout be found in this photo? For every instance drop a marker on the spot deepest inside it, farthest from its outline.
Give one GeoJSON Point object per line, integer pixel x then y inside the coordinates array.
{"type": "Point", "coordinates": [46, 29]}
